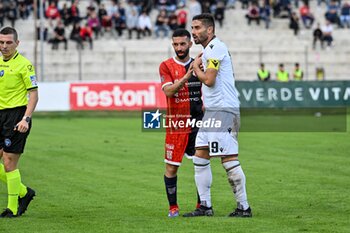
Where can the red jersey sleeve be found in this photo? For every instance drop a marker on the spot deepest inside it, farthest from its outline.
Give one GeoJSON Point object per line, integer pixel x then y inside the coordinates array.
{"type": "Point", "coordinates": [165, 75]}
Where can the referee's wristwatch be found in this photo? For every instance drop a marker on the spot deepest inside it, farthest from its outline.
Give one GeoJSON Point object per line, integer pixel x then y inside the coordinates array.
{"type": "Point", "coordinates": [27, 119]}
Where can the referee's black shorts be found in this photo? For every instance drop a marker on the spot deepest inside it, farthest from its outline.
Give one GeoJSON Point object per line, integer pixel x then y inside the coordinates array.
{"type": "Point", "coordinates": [12, 141]}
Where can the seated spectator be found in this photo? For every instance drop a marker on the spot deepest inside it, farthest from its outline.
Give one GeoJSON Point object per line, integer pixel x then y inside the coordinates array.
{"type": "Point", "coordinates": [131, 15]}
{"type": "Point", "coordinates": [220, 12]}
{"type": "Point", "coordinates": [306, 16]}
{"type": "Point", "coordinates": [294, 23]}
{"type": "Point", "coordinates": [86, 35]}
{"type": "Point", "coordinates": [332, 13]}
{"type": "Point", "coordinates": [318, 36]}
{"type": "Point", "coordinates": [173, 21]}
{"type": "Point", "coordinates": [65, 15]}
{"type": "Point", "coordinates": [161, 24]}
{"type": "Point", "coordinates": [282, 9]}
{"type": "Point", "coordinates": [144, 24]}
{"type": "Point", "coordinates": [253, 13]}
{"type": "Point", "coordinates": [94, 23]}
{"type": "Point", "coordinates": [23, 10]}
{"type": "Point", "coordinates": [75, 12]}
{"type": "Point", "coordinates": [171, 5]}
{"type": "Point", "coordinates": [119, 20]}
{"type": "Point", "coordinates": [345, 15]}
{"type": "Point", "coordinates": [59, 36]}
{"type": "Point", "coordinates": [265, 13]}
{"type": "Point", "coordinates": [327, 31]}
{"type": "Point", "coordinates": [75, 35]}
{"type": "Point", "coordinates": [245, 4]}
{"type": "Point", "coordinates": [181, 14]}
{"type": "Point", "coordinates": [52, 12]}
{"type": "Point", "coordinates": [105, 19]}
{"type": "Point", "coordinates": [12, 13]}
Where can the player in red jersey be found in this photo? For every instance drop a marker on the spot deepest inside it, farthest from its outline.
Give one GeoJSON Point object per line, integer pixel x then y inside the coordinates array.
{"type": "Point", "coordinates": [184, 104]}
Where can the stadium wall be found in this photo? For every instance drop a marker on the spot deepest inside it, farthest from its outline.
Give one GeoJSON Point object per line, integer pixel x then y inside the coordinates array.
{"type": "Point", "coordinates": [76, 96]}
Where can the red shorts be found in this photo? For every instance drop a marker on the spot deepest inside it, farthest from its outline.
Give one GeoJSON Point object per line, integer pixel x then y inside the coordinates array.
{"type": "Point", "coordinates": [176, 145]}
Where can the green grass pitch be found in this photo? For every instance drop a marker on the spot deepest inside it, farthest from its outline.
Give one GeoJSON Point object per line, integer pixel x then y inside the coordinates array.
{"type": "Point", "coordinates": [103, 174]}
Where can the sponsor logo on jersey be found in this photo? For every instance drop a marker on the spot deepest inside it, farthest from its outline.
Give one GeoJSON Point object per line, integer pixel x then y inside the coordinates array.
{"type": "Point", "coordinates": [2, 72]}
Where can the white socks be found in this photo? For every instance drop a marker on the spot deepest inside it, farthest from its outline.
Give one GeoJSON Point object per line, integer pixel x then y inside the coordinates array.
{"type": "Point", "coordinates": [236, 179]}
{"type": "Point", "coordinates": [203, 178]}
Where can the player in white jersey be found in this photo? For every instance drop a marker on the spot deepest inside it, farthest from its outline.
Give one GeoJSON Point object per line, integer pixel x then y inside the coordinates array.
{"type": "Point", "coordinates": [221, 103]}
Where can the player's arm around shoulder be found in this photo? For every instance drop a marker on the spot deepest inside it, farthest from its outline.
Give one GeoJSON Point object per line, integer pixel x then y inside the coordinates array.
{"type": "Point", "coordinates": [209, 75]}
{"type": "Point", "coordinates": [171, 89]}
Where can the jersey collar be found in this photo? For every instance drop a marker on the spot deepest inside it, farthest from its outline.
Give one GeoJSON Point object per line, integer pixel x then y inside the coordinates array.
{"type": "Point", "coordinates": [13, 57]}
{"type": "Point", "coordinates": [182, 63]}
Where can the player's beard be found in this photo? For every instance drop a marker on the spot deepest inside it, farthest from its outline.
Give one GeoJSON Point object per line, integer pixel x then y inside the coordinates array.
{"type": "Point", "coordinates": [184, 55]}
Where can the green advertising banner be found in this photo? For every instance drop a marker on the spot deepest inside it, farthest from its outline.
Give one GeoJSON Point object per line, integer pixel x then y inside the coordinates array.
{"type": "Point", "coordinates": [294, 94]}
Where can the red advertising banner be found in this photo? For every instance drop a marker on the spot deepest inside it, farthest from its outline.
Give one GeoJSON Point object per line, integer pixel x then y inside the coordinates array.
{"type": "Point", "coordinates": [116, 96]}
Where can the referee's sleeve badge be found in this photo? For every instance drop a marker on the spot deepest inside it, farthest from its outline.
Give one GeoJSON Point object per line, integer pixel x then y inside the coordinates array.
{"type": "Point", "coordinates": [33, 80]}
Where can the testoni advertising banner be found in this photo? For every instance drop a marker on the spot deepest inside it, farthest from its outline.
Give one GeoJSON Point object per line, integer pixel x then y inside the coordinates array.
{"type": "Point", "coordinates": [116, 96]}
{"type": "Point", "coordinates": [294, 94]}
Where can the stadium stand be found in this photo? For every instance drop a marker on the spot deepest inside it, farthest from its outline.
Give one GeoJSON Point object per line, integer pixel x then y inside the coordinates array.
{"type": "Point", "coordinates": [118, 58]}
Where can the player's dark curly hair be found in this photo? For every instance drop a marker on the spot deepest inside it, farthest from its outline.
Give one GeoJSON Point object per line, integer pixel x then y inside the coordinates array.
{"type": "Point", "coordinates": [206, 19]}
{"type": "Point", "coordinates": [180, 32]}
{"type": "Point", "coordinates": [9, 31]}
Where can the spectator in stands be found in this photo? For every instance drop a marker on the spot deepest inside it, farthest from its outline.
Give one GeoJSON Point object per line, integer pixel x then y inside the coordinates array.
{"type": "Point", "coordinates": [75, 12]}
{"type": "Point", "coordinates": [220, 12]}
{"type": "Point", "coordinates": [181, 14]}
{"type": "Point", "coordinates": [317, 36]}
{"type": "Point", "coordinates": [161, 24]}
{"type": "Point", "coordinates": [282, 75]}
{"type": "Point", "coordinates": [263, 74]}
{"type": "Point", "coordinates": [12, 13]}
{"type": "Point", "coordinates": [306, 16]}
{"type": "Point", "coordinates": [161, 5]}
{"type": "Point", "coordinates": [145, 24]}
{"type": "Point", "coordinates": [298, 74]}
{"type": "Point", "coordinates": [294, 23]}
{"type": "Point", "coordinates": [282, 9]}
{"type": "Point", "coordinates": [86, 35]}
{"type": "Point", "coordinates": [131, 15]}
{"type": "Point", "coordinates": [171, 5]}
{"type": "Point", "coordinates": [52, 13]}
{"type": "Point", "coordinates": [245, 4]}
{"type": "Point", "coordinates": [172, 21]}
{"type": "Point", "coordinates": [105, 19]}
{"type": "Point", "coordinates": [345, 15]}
{"type": "Point", "coordinates": [332, 13]}
{"type": "Point", "coordinates": [253, 13]}
{"type": "Point", "coordinates": [327, 31]}
{"type": "Point", "coordinates": [94, 23]}
{"type": "Point", "coordinates": [23, 10]}
{"type": "Point", "coordinates": [59, 36]}
{"type": "Point", "coordinates": [75, 35]}
{"type": "Point", "coordinates": [265, 13]}
{"type": "Point", "coordinates": [230, 4]}
{"type": "Point", "coordinates": [195, 8]}
{"type": "Point", "coordinates": [119, 20]}
{"type": "Point", "coordinates": [65, 15]}
{"type": "Point", "coordinates": [2, 14]}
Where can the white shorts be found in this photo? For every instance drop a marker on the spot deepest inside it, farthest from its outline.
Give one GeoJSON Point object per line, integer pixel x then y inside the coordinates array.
{"type": "Point", "coordinates": [221, 141]}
